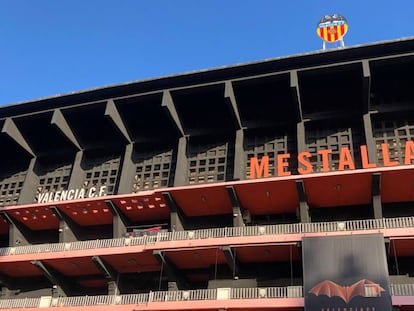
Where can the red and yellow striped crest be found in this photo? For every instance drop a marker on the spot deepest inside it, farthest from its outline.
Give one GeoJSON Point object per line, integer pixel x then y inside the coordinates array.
{"type": "Point", "coordinates": [332, 32]}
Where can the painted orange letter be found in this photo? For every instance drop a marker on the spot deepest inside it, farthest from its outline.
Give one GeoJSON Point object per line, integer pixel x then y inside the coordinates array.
{"type": "Point", "coordinates": [386, 156]}
{"type": "Point", "coordinates": [364, 158]}
{"type": "Point", "coordinates": [409, 152]}
{"type": "Point", "coordinates": [257, 169]}
{"type": "Point", "coordinates": [281, 164]}
{"type": "Point", "coordinates": [303, 158]}
{"type": "Point", "coordinates": [345, 159]}
{"type": "Point", "coordinates": [325, 159]}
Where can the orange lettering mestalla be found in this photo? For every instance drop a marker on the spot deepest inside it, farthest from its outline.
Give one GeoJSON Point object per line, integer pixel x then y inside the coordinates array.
{"type": "Point", "coordinates": [259, 170]}
{"type": "Point", "coordinates": [303, 158]}
{"type": "Point", "coordinates": [386, 156]}
{"type": "Point", "coordinates": [364, 158]}
{"type": "Point", "coordinates": [345, 159]}
{"type": "Point", "coordinates": [281, 164]}
{"type": "Point", "coordinates": [409, 152]}
{"type": "Point", "coordinates": [325, 159]}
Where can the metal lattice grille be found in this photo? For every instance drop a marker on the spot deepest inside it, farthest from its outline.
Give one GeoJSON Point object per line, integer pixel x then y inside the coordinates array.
{"type": "Point", "coordinates": [209, 163]}
{"type": "Point", "coordinates": [394, 134]}
{"type": "Point", "coordinates": [259, 146]}
{"type": "Point", "coordinates": [10, 188]}
{"type": "Point", "coordinates": [334, 139]}
{"type": "Point", "coordinates": [153, 170]}
{"type": "Point", "coordinates": [103, 173]}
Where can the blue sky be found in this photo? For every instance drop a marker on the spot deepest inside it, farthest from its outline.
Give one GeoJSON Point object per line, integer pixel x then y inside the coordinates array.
{"type": "Point", "coordinates": [50, 47]}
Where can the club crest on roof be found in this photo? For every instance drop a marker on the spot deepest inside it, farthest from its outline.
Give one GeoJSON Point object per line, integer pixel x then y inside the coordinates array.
{"type": "Point", "coordinates": [332, 28]}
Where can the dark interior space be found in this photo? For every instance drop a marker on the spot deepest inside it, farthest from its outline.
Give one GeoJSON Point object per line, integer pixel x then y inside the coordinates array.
{"type": "Point", "coordinates": [341, 213]}
{"type": "Point", "coordinates": [44, 138]}
{"type": "Point", "coordinates": [204, 110]}
{"type": "Point", "coordinates": [147, 120]}
{"type": "Point", "coordinates": [398, 209]}
{"type": "Point", "coordinates": [206, 222]}
{"type": "Point", "coordinates": [402, 266]}
{"type": "Point", "coordinates": [274, 219]}
{"type": "Point", "coordinates": [92, 128]}
{"type": "Point", "coordinates": [392, 82]}
{"type": "Point", "coordinates": [266, 101]}
{"type": "Point", "coordinates": [331, 91]}
{"type": "Point", "coordinates": [13, 167]}
{"type": "Point", "coordinates": [28, 287]}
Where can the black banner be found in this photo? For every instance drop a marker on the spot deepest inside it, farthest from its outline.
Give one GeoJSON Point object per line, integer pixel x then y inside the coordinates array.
{"type": "Point", "coordinates": [346, 273]}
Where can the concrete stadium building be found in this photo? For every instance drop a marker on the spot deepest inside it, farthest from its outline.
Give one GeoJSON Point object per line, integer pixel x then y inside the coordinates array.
{"type": "Point", "coordinates": [283, 184]}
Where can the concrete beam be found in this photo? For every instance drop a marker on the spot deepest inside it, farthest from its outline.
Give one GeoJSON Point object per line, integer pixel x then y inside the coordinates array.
{"type": "Point", "coordinates": [112, 112]}
{"type": "Point", "coordinates": [239, 165]}
{"type": "Point", "coordinates": [237, 208]}
{"type": "Point", "coordinates": [173, 273]}
{"type": "Point", "coordinates": [366, 85]}
{"type": "Point", "coordinates": [231, 100]}
{"type": "Point", "coordinates": [55, 278]}
{"type": "Point", "coordinates": [376, 195]}
{"type": "Point", "coordinates": [180, 178]}
{"type": "Point", "coordinates": [10, 128]}
{"type": "Point", "coordinates": [19, 234]}
{"type": "Point", "coordinates": [176, 214]}
{"type": "Point", "coordinates": [69, 231]}
{"type": "Point", "coordinates": [231, 260]}
{"type": "Point", "coordinates": [120, 223]}
{"type": "Point", "coordinates": [59, 120]}
{"type": "Point", "coordinates": [294, 88]}
{"type": "Point", "coordinates": [303, 202]}
{"type": "Point", "coordinates": [106, 269]}
{"type": "Point", "coordinates": [168, 103]}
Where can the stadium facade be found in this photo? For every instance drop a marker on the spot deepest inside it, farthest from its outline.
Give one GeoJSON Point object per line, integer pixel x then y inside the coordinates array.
{"type": "Point", "coordinates": [283, 184]}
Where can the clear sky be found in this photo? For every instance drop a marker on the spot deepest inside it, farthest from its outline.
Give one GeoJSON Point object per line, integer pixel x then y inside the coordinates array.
{"type": "Point", "coordinates": [50, 47]}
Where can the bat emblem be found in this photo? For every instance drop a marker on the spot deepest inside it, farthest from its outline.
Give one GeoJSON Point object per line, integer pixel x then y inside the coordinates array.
{"type": "Point", "coordinates": [364, 288]}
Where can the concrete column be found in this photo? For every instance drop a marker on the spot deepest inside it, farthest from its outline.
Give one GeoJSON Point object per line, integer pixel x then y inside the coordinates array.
{"type": "Point", "coordinates": [303, 203]}
{"type": "Point", "coordinates": [18, 233]}
{"type": "Point", "coordinates": [239, 156]}
{"type": "Point", "coordinates": [181, 169]}
{"type": "Point", "coordinates": [78, 173]}
{"type": "Point", "coordinates": [177, 217]}
{"type": "Point", "coordinates": [301, 136]}
{"type": "Point", "coordinates": [120, 222]}
{"type": "Point", "coordinates": [28, 192]}
{"type": "Point", "coordinates": [369, 138]}
{"type": "Point", "coordinates": [128, 171]}
{"type": "Point", "coordinates": [69, 231]}
{"type": "Point", "coordinates": [376, 195]}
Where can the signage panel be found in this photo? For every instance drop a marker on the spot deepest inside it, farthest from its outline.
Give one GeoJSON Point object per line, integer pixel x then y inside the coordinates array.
{"type": "Point", "coordinates": [347, 273]}
{"type": "Point", "coordinates": [71, 194]}
{"type": "Point", "coordinates": [260, 167]}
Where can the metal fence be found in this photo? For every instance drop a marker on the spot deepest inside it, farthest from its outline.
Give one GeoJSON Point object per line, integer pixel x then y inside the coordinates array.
{"type": "Point", "coordinates": [269, 292]}
{"type": "Point", "coordinates": [402, 289]}
{"type": "Point", "coordinates": [19, 303]}
{"type": "Point", "coordinates": [180, 295]}
{"type": "Point", "coordinates": [295, 228]}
